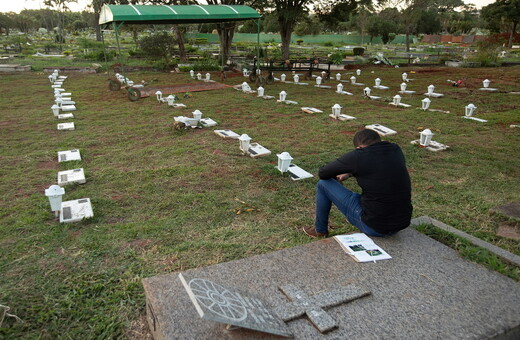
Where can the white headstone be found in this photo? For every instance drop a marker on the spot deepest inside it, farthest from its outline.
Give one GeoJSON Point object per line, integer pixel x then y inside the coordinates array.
{"type": "Point", "coordinates": [75, 176]}
{"type": "Point", "coordinates": [75, 211]}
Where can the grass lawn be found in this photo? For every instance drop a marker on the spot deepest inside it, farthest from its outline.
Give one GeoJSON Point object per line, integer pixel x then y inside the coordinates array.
{"type": "Point", "coordinates": [167, 200]}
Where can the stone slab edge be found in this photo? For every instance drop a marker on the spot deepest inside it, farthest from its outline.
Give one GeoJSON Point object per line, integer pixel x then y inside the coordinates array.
{"type": "Point", "coordinates": [503, 254]}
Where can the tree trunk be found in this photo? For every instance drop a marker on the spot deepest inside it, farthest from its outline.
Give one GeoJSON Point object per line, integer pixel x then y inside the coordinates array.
{"type": "Point", "coordinates": [407, 39]}
{"type": "Point", "coordinates": [286, 29]}
{"type": "Point", "coordinates": [179, 32]}
{"type": "Point", "coordinates": [97, 27]}
{"type": "Point", "coordinates": [513, 30]}
{"type": "Point", "coordinates": [226, 33]}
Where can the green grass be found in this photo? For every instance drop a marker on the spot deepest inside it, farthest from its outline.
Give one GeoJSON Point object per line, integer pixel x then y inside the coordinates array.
{"type": "Point", "coordinates": [166, 200]}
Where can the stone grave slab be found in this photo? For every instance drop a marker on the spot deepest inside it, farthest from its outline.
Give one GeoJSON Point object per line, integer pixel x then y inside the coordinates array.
{"type": "Point", "coordinates": [65, 116]}
{"type": "Point", "coordinates": [508, 231]}
{"type": "Point", "coordinates": [480, 120]}
{"type": "Point", "coordinates": [75, 176]}
{"type": "Point", "coordinates": [256, 150]}
{"type": "Point", "coordinates": [227, 134]}
{"type": "Point", "coordinates": [298, 173]}
{"type": "Point", "coordinates": [69, 155]}
{"type": "Point", "coordinates": [66, 127]}
{"type": "Point", "coordinates": [208, 122]}
{"type": "Point", "coordinates": [381, 129]}
{"type": "Point", "coordinates": [426, 290]}
{"type": "Point", "coordinates": [342, 117]}
{"type": "Point", "coordinates": [510, 210]}
{"type": "Point", "coordinates": [230, 306]}
{"type": "Point", "coordinates": [76, 210]}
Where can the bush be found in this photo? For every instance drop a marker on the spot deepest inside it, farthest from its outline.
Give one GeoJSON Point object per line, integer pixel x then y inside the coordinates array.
{"type": "Point", "coordinates": [98, 55]}
{"type": "Point", "coordinates": [158, 45]}
{"type": "Point", "coordinates": [487, 53]}
{"type": "Point", "coordinates": [299, 41]}
{"type": "Point", "coordinates": [328, 43]}
{"type": "Point", "coordinates": [337, 57]}
{"type": "Point", "coordinates": [358, 50]}
{"type": "Point", "coordinates": [206, 65]}
{"type": "Point", "coordinates": [201, 41]}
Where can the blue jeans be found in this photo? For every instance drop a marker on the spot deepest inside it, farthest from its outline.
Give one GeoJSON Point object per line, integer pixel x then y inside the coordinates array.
{"type": "Point", "coordinates": [349, 203]}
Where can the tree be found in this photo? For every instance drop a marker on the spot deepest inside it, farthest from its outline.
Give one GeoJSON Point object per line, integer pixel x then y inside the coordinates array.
{"type": "Point", "coordinates": [158, 45]}
{"type": "Point", "coordinates": [6, 23]}
{"type": "Point", "coordinates": [429, 22]}
{"type": "Point", "coordinates": [379, 26]}
{"type": "Point", "coordinates": [308, 26]}
{"type": "Point", "coordinates": [288, 13]}
{"type": "Point", "coordinates": [503, 10]}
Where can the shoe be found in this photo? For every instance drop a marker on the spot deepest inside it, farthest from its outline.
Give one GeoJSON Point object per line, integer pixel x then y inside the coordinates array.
{"type": "Point", "coordinates": [334, 227]}
{"type": "Point", "coordinates": [310, 231]}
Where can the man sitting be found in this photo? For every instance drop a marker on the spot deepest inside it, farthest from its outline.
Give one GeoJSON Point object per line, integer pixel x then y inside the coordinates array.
{"type": "Point", "coordinates": [384, 206]}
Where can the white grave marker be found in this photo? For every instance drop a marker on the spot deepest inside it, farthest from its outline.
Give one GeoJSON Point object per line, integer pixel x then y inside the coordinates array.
{"type": "Point", "coordinates": [311, 110]}
{"type": "Point", "coordinates": [69, 155]}
{"type": "Point", "coordinates": [75, 176]}
{"type": "Point", "coordinates": [66, 127]}
{"type": "Point", "coordinates": [192, 74]}
{"type": "Point", "coordinates": [159, 96]}
{"type": "Point", "coordinates": [298, 173]}
{"type": "Point", "coordinates": [252, 149]}
{"type": "Point", "coordinates": [431, 92]}
{"type": "Point", "coordinates": [55, 110]}
{"type": "Point", "coordinates": [199, 76]}
{"type": "Point", "coordinates": [358, 72]}
{"type": "Point", "coordinates": [226, 134]}
{"type": "Point", "coordinates": [282, 77]}
{"type": "Point", "coordinates": [284, 160]}
{"type": "Point", "coordinates": [353, 81]}
{"type": "Point", "coordinates": [405, 77]}
{"type": "Point", "coordinates": [381, 130]}
{"type": "Point", "coordinates": [468, 113]}
{"type": "Point", "coordinates": [54, 193]}
{"type": "Point", "coordinates": [396, 101]}
{"type": "Point", "coordinates": [208, 122]}
{"type": "Point", "coordinates": [75, 211]}
{"type": "Point", "coordinates": [65, 116]}
{"type": "Point", "coordinates": [426, 142]}
{"type": "Point", "coordinates": [336, 114]}
{"type": "Point", "coordinates": [246, 88]}
{"type": "Point", "coordinates": [378, 85]}
{"type": "Point", "coordinates": [486, 87]}
{"type": "Point", "coordinates": [366, 93]}
{"type": "Point", "coordinates": [339, 90]}
{"type": "Point", "coordinates": [404, 91]}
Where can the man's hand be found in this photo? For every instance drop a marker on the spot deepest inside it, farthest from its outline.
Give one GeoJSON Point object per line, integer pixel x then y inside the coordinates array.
{"type": "Point", "coordinates": [342, 177]}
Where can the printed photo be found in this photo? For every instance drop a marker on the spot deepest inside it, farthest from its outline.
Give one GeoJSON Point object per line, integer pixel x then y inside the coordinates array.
{"type": "Point", "coordinates": [374, 252]}
{"type": "Point", "coordinates": [357, 247]}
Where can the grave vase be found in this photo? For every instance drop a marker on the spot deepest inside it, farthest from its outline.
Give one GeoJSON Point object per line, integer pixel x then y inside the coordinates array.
{"type": "Point", "coordinates": [318, 80]}
{"type": "Point", "coordinates": [260, 91]}
{"type": "Point", "coordinates": [336, 110]}
{"type": "Point", "coordinates": [296, 78]}
{"type": "Point", "coordinates": [208, 77]}
{"type": "Point", "coordinates": [55, 110]}
{"type": "Point", "coordinates": [405, 76]}
{"type": "Point", "coordinates": [431, 88]}
{"type": "Point", "coordinates": [378, 82]}
{"type": "Point", "coordinates": [244, 142]}
{"type": "Point", "coordinates": [426, 137]}
{"type": "Point", "coordinates": [486, 83]}
{"type": "Point", "coordinates": [338, 76]}
{"type": "Point", "coordinates": [192, 73]}
{"type": "Point", "coordinates": [425, 103]}
{"type": "Point", "coordinates": [284, 161]}
{"type": "Point", "coordinates": [282, 77]}
{"type": "Point", "coordinates": [54, 194]}
{"type": "Point", "coordinates": [199, 76]}
{"type": "Point", "coordinates": [469, 110]}
{"type": "Point", "coordinates": [283, 95]}
{"type": "Point", "coordinates": [353, 80]}
{"type": "Point", "coordinates": [397, 100]}
{"type": "Point", "coordinates": [339, 88]}
{"type": "Point", "coordinates": [358, 72]}
{"type": "Point", "coordinates": [403, 87]}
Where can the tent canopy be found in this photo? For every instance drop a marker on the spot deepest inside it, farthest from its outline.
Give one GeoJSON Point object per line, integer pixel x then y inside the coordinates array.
{"type": "Point", "coordinates": [174, 14]}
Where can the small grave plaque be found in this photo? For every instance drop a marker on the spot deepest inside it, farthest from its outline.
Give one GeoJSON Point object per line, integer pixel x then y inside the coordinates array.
{"type": "Point", "coordinates": [69, 155]}
{"type": "Point", "coordinates": [256, 150]}
{"type": "Point", "coordinates": [298, 173]}
{"type": "Point", "coordinates": [480, 120]}
{"type": "Point", "coordinates": [229, 306]}
{"type": "Point", "coordinates": [75, 211]}
{"type": "Point", "coordinates": [311, 110]}
{"type": "Point", "coordinates": [208, 122]}
{"type": "Point", "coordinates": [226, 134]}
{"type": "Point", "coordinates": [66, 126]}
{"type": "Point", "coordinates": [342, 117]}
{"type": "Point", "coordinates": [65, 116]}
{"type": "Point", "coordinates": [381, 130]}
{"type": "Point", "coordinates": [75, 176]}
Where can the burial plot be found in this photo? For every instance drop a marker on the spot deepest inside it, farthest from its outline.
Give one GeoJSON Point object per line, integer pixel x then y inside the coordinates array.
{"type": "Point", "coordinates": [339, 90]}
{"type": "Point", "coordinates": [66, 127]}
{"type": "Point", "coordinates": [318, 84]}
{"type": "Point", "coordinates": [227, 134]}
{"type": "Point", "coordinates": [296, 79]}
{"type": "Point", "coordinates": [404, 91]}
{"type": "Point", "coordinates": [425, 106]}
{"type": "Point", "coordinates": [69, 155]}
{"type": "Point", "coordinates": [261, 91]}
{"type": "Point", "coordinates": [378, 85]}
{"type": "Point", "coordinates": [423, 291]}
{"type": "Point", "coordinates": [425, 141]}
{"type": "Point", "coordinates": [75, 176]}
{"type": "Point", "coordinates": [381, 130]}
{"type": "Point", "coordinates": [336, 113]}
{"type": "Point", "coordinates": [486, 87]}
{"type": "Point", "coordinates": [283, 99]}
{"type": "Point", "coordinates": [252, 149]}
{"type": "Point", "coordinates": [285, 165]}
{"type": "Point", "coordinates": [469, 110]}
{"type": "Point", "coordinates": [76, 210]}
{"type": "Point", "coordinates": [367, 93]}
{"type": "Point", "coordinates": [431, 92]}
{"type": "Point", "coordinates": [208, 122]}
{"type": "Point", "coordinates": [396, 101]}
{"type": "Point", "coordinates": [353, 81]}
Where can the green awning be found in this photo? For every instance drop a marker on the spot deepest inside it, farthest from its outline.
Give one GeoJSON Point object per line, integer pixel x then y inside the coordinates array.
{"type": "Point", "coordinates": [163, 14]}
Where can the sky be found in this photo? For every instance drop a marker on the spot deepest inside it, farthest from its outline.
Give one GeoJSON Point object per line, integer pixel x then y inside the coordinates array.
{"type": "Point", "coordinates": [18, 5]}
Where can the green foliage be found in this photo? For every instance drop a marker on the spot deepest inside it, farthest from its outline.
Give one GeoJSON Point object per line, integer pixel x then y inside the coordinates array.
{"type": "Point", "coordinates": [99, 55]}
{"type": "Point", "coordinates": [158, 45]}
{"type": "Point", "coordinates": [207, 64]}
{"type": "Point", "coordinates": [337, 57]}
{"type": "Point", "coordinates": [358, 50]}
{"type": "Point", "coordinates": [201, 41]}
{"type": "Point", "coordinates": [328, 43]}
{"type": "Point", "coordinates": [299, 41]}
{"type": "Point", "coordinates": [487, 53]}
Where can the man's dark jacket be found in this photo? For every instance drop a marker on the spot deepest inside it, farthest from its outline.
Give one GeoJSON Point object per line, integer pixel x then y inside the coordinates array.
{"type": "Point", "coordinates": [380, 171]}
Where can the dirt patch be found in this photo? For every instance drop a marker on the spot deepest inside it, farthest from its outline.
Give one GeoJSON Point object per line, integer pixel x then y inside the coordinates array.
{"type": "Point", "coordinates": [348, 133]}
{"type": "Point", "coordinates": [139, 244]}
{"type": "Point", "coordinates": [139, 330]}
{"type": "Point", "coordinates": [509, 231]}
{"type": "Point", "coordinates": [46, 165]}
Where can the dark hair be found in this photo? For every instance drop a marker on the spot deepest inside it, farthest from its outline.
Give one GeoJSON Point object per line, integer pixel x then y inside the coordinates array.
{"type": "Point", "coordinates": [366, 137]}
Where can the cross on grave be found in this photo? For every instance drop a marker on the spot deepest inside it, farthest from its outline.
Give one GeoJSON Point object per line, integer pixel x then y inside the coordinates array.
{"type": "Point", "coordinates": [313, 306]}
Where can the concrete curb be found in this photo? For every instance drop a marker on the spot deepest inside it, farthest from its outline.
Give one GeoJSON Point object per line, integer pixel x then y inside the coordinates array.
{"type": "Point", "coordinates": [503, 254]}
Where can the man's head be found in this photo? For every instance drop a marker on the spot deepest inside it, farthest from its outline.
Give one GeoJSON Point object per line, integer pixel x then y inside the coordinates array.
{"type": "Point", "coordinates": [365, 138]}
